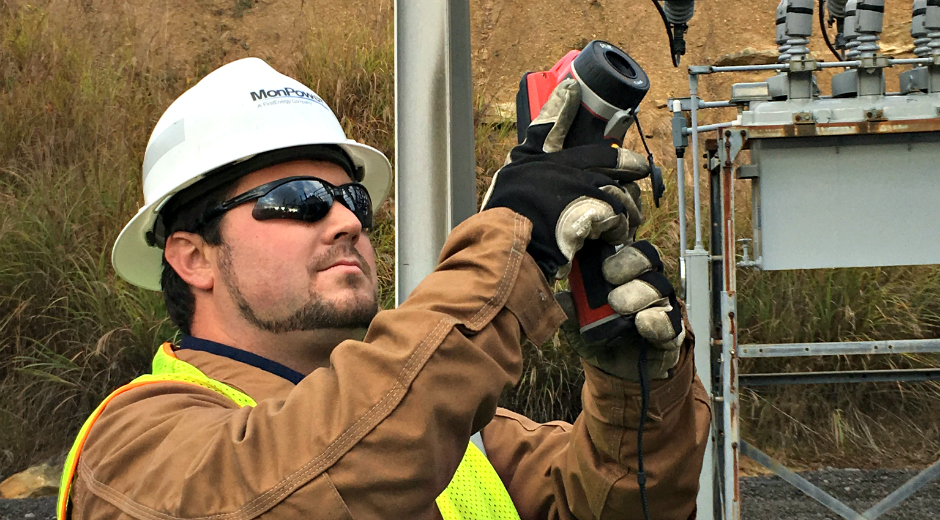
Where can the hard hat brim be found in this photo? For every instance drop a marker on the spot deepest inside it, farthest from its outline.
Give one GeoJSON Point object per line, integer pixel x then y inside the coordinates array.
{"type": "Point", "coordinates": [141, 264]}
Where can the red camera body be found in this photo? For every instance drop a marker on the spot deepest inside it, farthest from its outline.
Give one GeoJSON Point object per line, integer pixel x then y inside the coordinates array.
{"type": "Point", "coordinates": [535, 89]}
{"type": "Point", "coordinates": [612, 86]}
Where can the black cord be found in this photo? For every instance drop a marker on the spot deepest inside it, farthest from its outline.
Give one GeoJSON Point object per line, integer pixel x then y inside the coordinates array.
{"type": "Point", "coordinates": [656, 177]}
{"type": "Point", "coordinates": [643, 369]}
{"type": "Point", "coordinates": [672, 43]}
{"type": "Point", "coordinates": [636, 120]}
{"type": "Point", "coordinates": [649, 154]}
{"type": "Point", "coordinates": [644, 409]}
{"type": "Point", "coordinates": [825, 33]}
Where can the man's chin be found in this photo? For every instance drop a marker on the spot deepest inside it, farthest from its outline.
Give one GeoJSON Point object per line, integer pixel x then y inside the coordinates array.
{"type": "Point", "coordinates": [348, 292]}
{"type": "Point", "coordinates": [352, 309]}
{"type": "Point", "coordinates": [360, 312]}
{"type": "Point", "coordinates": [358, 305]}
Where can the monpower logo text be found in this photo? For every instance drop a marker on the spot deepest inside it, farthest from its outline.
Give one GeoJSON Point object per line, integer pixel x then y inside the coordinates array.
{"type": "Point", "coordinates": [286, 92]}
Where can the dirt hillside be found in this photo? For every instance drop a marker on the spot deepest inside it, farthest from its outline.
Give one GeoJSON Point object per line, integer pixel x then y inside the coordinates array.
{"type": "Point", "coordinates": [509, 37]}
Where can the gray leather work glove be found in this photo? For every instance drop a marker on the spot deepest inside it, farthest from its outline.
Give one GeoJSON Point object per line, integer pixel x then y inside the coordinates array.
{"type": "Point", "coordinates": [586, 192]}
{"type": "Point", "coordinates": [644, 294]}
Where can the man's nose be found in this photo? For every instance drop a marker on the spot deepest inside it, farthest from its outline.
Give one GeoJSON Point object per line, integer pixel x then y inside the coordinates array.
{"type": "Point", "coordinates": [342, 222]}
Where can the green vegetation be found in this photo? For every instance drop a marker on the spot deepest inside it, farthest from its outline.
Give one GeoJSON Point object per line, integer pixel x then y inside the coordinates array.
{"type": "Point", "coordinates": [241, 7]}
{"type": "Point", "coordinates": [77, 104]}
{"type": "Point", "coordinates": [76, 112]}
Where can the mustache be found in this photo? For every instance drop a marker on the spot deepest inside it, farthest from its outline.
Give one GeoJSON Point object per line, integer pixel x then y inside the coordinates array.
{"type": "Point", "coordinates": [341, 251]}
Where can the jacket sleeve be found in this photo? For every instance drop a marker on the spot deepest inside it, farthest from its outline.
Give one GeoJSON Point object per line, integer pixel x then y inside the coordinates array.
{"type": "Point", "coordinates": [377, 434]}
{"type": "Point", "coordinates": [588, 470]}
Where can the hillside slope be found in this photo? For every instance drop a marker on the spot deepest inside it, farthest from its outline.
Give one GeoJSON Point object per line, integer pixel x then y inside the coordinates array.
{"type": "Point", "coordinates": [509, 37]}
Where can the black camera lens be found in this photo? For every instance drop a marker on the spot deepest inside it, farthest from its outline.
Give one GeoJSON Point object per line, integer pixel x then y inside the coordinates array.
{"type": "Point", "coordinates": [612, 74]}
{"type": "Point", "coordinates": [620, 64]}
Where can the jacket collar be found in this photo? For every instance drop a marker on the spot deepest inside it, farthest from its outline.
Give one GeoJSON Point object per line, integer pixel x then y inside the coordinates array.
{"type": "Point", "coordinates": [242, 356]}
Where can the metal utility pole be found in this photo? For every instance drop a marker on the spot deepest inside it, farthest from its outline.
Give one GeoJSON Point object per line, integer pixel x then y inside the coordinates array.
{"type": "Point", "coordinates": [435, 168]}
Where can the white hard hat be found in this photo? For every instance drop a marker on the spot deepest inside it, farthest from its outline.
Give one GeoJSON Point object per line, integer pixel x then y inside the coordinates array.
{"type": "Point", "coordinates": [240, 110]}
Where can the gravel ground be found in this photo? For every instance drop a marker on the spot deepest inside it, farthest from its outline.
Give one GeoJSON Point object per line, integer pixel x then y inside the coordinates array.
{"type": "Point", "coordinates": [764, 498]}
{"type": "Point", "coordinates": [771, 497]}
{"type": "Point", "coordinates": [27, 509]}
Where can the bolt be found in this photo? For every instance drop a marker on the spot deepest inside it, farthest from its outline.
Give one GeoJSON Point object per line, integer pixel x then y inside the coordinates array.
{"type": "Point", "coordinates": [734, 445]}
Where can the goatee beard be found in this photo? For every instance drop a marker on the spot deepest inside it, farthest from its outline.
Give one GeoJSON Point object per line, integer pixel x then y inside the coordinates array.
{"type": "Point", "coordinates": [316, 313]}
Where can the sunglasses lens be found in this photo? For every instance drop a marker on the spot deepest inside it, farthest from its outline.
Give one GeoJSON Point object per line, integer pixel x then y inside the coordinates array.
{"type": "Point", "coordinates": [306, 200]}
{"type": "Point", "coordinates": [356, 198]}
{"type": "Point", "coordinates": [310, 200]}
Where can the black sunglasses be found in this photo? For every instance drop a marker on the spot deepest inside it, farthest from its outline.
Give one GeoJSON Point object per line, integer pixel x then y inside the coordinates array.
{"type": "Point", "coordinates": [307, 199]}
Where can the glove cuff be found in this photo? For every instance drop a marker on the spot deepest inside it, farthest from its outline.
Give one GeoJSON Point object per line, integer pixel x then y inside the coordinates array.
{"type": "Point", "coordinates": [548, 259]}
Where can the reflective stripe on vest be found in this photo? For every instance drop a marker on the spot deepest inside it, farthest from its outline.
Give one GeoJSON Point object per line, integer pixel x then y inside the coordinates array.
{"type": "Point", "coordinates": [475, 493]}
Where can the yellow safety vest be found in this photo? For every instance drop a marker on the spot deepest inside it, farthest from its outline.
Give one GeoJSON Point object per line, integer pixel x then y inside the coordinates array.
{"type": "Point", "coordinates": [475, 492]}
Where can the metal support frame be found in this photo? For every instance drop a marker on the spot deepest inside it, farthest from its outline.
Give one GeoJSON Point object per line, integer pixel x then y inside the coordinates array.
{"type": "Point", "coordinates": [699, 311]}
{"type": "Point", "coordinates": [435, 170]}
{"type": "Point", "coordinates": [715, 350]}
{"type": "Point", "coordinates": [910, 346]}
{"type": "Point", "coordinates": [833, 504]}
{"type": "Point", "coordinates": [695, 272]}
{"type": "Point", "coordinates": [840, 376]}
{"type": "Point", "coordinates": [720, 352]}
{"type": "Point", "coordinates": [807, 487]}
{"type": "Point", "coordinates": [729, 147]}
{"type": "Point", "coordinates": [900, 494]}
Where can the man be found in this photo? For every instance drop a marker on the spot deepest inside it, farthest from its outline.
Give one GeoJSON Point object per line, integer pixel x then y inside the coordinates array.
{"type": "Point", "coordinates": [279, 404]}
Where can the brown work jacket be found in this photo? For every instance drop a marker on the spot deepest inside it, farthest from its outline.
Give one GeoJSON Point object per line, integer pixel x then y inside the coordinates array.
{"type": "Point", "coordinates": [379, 433]}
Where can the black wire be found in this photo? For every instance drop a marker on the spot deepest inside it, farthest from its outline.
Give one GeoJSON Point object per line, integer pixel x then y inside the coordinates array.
{"type": "Point", "coordinates": [662, 14]}
{"type": "Point", "coordinates": [825, 33]}
{"type": "Point", "coordinates": [649, 154]}
{"type": "Point", "coordinates": [636, 120]}
{"type": "Point", "coordinates": [644, 409]}
{"type": "Point", "coordinates": [656, 181]}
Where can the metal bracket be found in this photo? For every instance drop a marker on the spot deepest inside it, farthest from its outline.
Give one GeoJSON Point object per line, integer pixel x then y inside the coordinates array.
{"type": "Point", "coordinates": [875, 114]}
{"type": "Point", "coordinates": [803, 65]}
{"type": "Point", "coordinates": [874, 62]}
{"type": "Point", "coordinates": [685, 104]}
{"type": "Point", "coordinates": [679, 138]}
{"type": "Point", "coordinates": [748, 171]}
{"type": "Point", "coordinates": [737, 138]}
{"type": "Point", "coordinates": [804, 118]}
{"type": "Point", "coordinates": [619, 123]}
{"type": "Point", "coordinates": [745, 255]}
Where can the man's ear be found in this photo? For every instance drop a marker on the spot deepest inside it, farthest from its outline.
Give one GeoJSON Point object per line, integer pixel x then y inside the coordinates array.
{"type": "Point", "coordinates": [190, 257]}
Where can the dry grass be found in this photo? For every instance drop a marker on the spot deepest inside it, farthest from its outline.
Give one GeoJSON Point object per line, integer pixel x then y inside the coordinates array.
{"type": "Point", "coordinates": [76, 108]}
{"type": "Point", "coordinates": [76, 112]}
{"type": "Point", "coordinates": [354, 74]}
